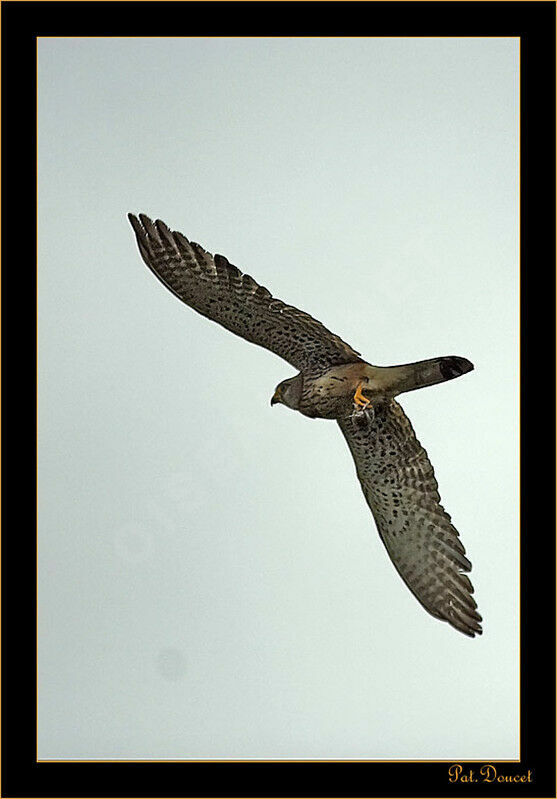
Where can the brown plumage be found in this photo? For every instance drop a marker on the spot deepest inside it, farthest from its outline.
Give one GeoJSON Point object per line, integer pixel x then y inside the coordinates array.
{"type": "Point", "coordinates": [401, 490]}
{"type": "Point", "coordinates": [334, 382]}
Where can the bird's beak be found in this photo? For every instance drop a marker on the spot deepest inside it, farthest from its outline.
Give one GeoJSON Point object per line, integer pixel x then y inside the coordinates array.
{"type": "Point", "coordinates": [275, 398]}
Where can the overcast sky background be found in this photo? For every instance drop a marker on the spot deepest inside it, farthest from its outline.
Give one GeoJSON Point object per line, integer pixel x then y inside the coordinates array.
{"type": "Point", "coordinates": [211, 582]}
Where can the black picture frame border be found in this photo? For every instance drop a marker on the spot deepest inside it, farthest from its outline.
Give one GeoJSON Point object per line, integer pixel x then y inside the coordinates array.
{"type": "Point", "coordinates": [22, 22]}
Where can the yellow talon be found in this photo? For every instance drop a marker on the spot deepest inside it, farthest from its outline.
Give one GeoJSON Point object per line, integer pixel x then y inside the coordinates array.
{"type": "Point", "coordinates": [359, 399]}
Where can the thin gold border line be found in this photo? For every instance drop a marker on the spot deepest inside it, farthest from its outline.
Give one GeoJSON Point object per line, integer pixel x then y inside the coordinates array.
{"type": "Point", "coordinates": [276, 760]}
{"type": "Point", "coordinates": [295, 1]}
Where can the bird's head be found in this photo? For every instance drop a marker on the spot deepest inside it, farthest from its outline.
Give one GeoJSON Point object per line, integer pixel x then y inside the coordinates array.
{"type": "Point", "coordinates": [289, 392]}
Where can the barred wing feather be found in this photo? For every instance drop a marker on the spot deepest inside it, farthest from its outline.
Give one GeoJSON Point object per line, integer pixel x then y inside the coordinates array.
{"type": "Point", "coordinates": [218, 290]}
{"type": "Point", "coordinates": [401, 490]}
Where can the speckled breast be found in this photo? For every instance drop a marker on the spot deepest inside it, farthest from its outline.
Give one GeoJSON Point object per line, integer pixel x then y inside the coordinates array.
{"type": "Point", "coordinates": [330, 395]}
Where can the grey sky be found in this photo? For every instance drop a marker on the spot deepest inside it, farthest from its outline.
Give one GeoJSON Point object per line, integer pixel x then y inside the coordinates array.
{"type": "Point", "coordinates": [211, 581]}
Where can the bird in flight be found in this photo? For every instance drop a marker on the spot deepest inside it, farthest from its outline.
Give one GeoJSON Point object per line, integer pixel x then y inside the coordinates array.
{"type": "Point", "coordinates": [334, 382]}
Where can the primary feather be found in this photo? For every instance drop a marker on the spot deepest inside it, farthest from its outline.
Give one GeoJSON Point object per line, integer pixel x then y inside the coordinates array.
{"type": "Point", "coordinates": [401, 490]}
{"type": "Point", "coordinates": [217, 289]}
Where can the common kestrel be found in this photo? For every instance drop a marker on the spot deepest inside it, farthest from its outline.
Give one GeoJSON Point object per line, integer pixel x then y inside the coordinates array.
{"type": "Point", "coordinates": [334, 382]}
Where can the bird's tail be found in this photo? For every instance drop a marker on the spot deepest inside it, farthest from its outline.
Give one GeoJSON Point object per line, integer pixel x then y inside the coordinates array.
{"type": "Point", "coordinates": [410, 376]}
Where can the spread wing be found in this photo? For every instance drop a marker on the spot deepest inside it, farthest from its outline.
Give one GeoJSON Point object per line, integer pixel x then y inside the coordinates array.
{"type": "Point", "coordinates": [217, 289]}
{"type": "Point", "coordinates": [400, 488]}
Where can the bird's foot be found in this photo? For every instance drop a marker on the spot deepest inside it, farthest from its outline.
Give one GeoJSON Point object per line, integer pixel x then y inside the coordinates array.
{"type": "Point", "coordinates": [360, 401]}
